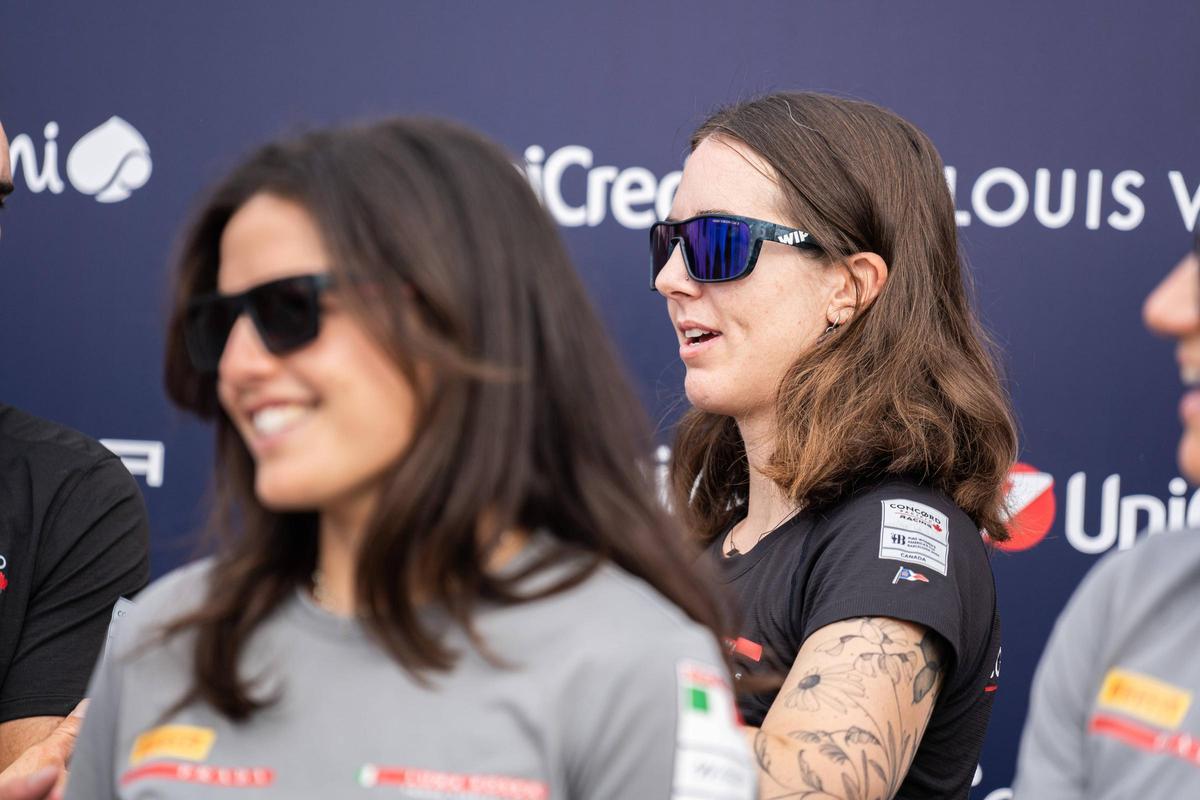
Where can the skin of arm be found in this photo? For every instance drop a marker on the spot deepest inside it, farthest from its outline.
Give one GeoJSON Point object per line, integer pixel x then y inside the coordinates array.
{"type": "Point", "coordinates": [43, 746]}
{"type": "Point", "coordinates": [848, 719]}
{"type": "Point", "coordinates": [19, 735]}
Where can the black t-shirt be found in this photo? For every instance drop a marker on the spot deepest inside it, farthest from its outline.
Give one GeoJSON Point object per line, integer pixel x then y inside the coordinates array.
{"type": "Point", "coordinates": [73, 539]}
{"type": "Point", "coordinates": [897, 550]}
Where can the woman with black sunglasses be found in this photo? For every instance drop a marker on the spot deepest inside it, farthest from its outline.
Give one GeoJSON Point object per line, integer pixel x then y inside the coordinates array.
{"type": "Point", "coordinates": [443, 574]}
{"type": "Point", "coordinates": [848, 442]}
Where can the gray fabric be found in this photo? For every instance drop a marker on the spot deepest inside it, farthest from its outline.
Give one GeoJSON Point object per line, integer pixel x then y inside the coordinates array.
{"type": "Point", "coordinates": [590, 709]}
{"type": "Point", "coordinates": [1137, 613]}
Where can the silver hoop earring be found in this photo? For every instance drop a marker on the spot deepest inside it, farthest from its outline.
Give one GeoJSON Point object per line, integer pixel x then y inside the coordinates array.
{"type": "Point", "coordinates": [833, 326]}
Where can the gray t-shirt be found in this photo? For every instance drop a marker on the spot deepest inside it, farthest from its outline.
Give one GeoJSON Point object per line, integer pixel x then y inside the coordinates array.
{"type": "Point", "coordinates": [612, 693]}
{"type": "Point", "coordinates": [1113, 713]}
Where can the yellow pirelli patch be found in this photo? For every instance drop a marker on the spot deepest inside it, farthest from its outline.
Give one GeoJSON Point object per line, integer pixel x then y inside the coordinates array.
{"type": "Point", "coordinates": [173, 741]}
{"type": "Point", "coordinates": [1145, 698]}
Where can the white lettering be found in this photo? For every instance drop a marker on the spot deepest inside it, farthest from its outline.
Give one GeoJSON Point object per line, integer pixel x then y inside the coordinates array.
{"type": "Point", "coordinates": [666, 193]}
{"type": "Point", "coordinates": [534, 156]}
{"type": "Point", "coordinates": [1131, 506]}
{"type": "Point", "coordinates": [634, 186]}
{"type": "Point", "coordinates": [1177, 505]}
{"type": "Point", "coordinates": [1041, 199]}
{"type": "Point", "coordinates": [1122, 186]}
{"type": "Point", "coordinates": [145, 458]}
{"type": "Point", "coordinates": [1123, 518]}
{"type": "Point", "coordinates": [986, 182]}
{"type": "Point", "coordinates": [597, 184]}
{"type": "Point", "coordinates": [569, 156]}
{"type": "Point", "coordinates": [1095, 182]}
{"type": "Point", "coordinates": [22, 152]}
{"type": "Point", "coordinates": [1110, 494]}
{"type": "Point", "coordinates": [1188, 209]}
{"type": "Point", "coordinates": [961, 218]}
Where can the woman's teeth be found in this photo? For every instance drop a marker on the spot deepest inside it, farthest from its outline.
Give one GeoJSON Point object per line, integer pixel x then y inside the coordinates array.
{"type": "Point", "coordinates": [696, 335]}
{"type": "Point", "coordinates": [274, 419]}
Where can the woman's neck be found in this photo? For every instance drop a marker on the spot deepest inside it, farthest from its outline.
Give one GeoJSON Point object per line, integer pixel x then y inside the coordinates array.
{"type": "Point", "coordinates": [340, 538]}
{"type": "Point", "coordinates": [767, 505]}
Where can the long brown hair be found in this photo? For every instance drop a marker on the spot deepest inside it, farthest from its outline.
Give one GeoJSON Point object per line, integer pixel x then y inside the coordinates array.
{"type": "Point", "coordinates": [909, 387]}
{"type": "Point", "coordinates": [525, 418]}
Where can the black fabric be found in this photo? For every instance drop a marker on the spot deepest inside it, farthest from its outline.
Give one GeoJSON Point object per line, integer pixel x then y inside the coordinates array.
{"type": "Point", "coordinates": [827, 567]}
{"type": "Point", "coordinates": [74, 538]}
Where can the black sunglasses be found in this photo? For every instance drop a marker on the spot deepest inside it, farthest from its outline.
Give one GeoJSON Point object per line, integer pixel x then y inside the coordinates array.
{"type": "Point", "coordinates": [719, 247]}
{"type": "Point", "coordinates": [286, 313]}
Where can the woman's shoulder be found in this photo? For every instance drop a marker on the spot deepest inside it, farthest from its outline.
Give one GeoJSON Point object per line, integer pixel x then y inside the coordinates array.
{"type": "Point", "coordinates": [902, 503]}
{"type": "Point", "coordinates": [177, 593]}
{"type": "Point", "coordinates": [613, 611]}
{"type": "Point", "coordinates": [900, 520]}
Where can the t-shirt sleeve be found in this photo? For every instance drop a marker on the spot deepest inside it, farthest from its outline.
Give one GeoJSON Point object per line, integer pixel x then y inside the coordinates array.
{"type": "Point", "coordinates": [92, 550]}
{"type": "Point", "coordinates": [1052, 759]}
{"type": "Point", "coordinates": [903, 553]}
{"type": "Point", "coordinates": [662, 725]}
{"type": "Point", "coordinates": [91, 766]}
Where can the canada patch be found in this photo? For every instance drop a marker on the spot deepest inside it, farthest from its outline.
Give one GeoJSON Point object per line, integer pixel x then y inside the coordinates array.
{"type": "Point", "coordinates": [915, 533]}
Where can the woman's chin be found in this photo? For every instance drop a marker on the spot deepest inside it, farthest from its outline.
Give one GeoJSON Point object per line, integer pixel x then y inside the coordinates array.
{"type": "Point", "coordinates": [282, 496]}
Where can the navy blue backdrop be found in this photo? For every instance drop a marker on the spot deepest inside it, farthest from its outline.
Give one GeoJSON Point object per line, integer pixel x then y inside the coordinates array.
{"type": "Point", "coordinates": [1072, 130]}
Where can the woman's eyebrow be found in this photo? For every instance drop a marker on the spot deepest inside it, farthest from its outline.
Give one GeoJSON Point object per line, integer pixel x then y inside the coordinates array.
{"type": "Point", "coordinates": [706, 212]}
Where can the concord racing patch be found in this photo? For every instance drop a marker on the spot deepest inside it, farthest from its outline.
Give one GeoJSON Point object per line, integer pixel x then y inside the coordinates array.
{"type": "Point", "coordinates": [915, 533]}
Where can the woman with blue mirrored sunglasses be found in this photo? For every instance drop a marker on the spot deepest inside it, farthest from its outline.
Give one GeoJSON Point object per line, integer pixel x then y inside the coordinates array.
{"type": "Point", "coordinates": [848, 442]}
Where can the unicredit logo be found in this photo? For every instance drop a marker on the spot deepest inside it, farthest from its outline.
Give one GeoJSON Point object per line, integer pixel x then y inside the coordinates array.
{"type": "Point", "coordinates": [110, 162]}
{"type": "Point", "coordinates": [1029, 496]}
{"type": "Point", "coordinates": [577, 192]}
{"type": "Point", "coordinates": [1109, 520]}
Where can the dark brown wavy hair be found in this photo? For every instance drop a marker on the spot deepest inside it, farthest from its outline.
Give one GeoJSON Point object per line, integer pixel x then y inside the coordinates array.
{"type": "Point", "coordinates": [525, 418]}
{"type": "Point", "coordinates": [909, 387]}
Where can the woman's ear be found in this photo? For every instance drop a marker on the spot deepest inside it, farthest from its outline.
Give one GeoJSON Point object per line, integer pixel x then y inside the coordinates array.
{"type": "Point", "coordinates": [861, 281]}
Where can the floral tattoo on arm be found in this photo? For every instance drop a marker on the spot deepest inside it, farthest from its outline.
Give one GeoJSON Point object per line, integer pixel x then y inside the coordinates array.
{"type": "Point", "coordinates": [872, 752]}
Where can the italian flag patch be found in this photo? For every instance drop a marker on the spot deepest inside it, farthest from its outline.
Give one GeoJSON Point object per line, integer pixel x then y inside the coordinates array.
{"type": "Point", "coordinates": [712, 761]}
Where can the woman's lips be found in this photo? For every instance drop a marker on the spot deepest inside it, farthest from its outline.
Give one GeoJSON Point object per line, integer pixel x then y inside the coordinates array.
{"type": "Point", "coordinates": [688, 351]}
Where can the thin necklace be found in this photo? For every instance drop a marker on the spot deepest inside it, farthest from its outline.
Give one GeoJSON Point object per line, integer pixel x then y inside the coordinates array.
{"type": "Point", "coordinates": [732, 550]}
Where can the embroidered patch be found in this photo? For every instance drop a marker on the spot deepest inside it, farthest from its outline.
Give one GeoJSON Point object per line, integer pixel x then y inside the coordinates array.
{"type": "Point", "coordinates": [1144, 698]}
{"type": "Point", "coordinates": [1179, 745]}
{"type": "Point", "coordinates": [745, 647]}
{"type": "Point", "coordinates": [432, 783]}
{"type": "Point", "coordinates": [173, 741]}
{"type": "Point", "coordinates": [228, 777]}
{"type": "Point", "coordinates": [906, 574]}
{"type": "Point", "coordinates": [916, 533]}
{"type": "Point", "coordinates": [712, 761]}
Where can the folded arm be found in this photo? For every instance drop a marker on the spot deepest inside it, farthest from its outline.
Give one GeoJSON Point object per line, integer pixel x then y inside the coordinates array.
{"type": "Point", "coordinates": [848, 719]}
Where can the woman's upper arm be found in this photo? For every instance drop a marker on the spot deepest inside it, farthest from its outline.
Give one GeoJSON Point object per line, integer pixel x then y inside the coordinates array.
{"type": "Point", "coordinates": [852, 710]}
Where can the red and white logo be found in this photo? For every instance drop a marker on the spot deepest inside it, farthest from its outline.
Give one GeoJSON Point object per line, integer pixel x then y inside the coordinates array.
{"type": "Point", "coordinates": [1030, 505]}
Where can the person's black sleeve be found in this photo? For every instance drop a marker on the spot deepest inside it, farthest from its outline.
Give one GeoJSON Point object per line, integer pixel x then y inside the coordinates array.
{"type": "Point", "coordinates": [901, 552]}
{"type": "Point", "coordinates": [93, 548]}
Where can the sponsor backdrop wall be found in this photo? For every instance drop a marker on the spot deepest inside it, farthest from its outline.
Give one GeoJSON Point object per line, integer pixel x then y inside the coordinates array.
{"type": "Point", "coordinates": [1071, 132]}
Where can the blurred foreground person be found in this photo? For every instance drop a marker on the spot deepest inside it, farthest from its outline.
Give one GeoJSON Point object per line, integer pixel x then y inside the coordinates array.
{"type": "Point", "coordinates": [849, 439]}
{"type": "Point", "coordinates": [73, 539]}
{"type": "Point", "coordinates": [444, 572]}
{"type": "Point", "coordinates": [1113, 713]}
